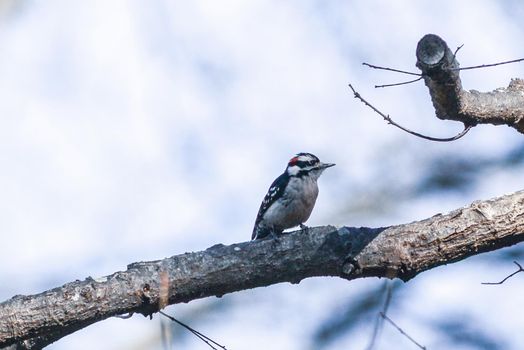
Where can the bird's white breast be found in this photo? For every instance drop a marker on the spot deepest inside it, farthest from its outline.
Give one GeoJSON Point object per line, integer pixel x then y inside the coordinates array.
{"type": "Point", "coordinates": [296, 205]}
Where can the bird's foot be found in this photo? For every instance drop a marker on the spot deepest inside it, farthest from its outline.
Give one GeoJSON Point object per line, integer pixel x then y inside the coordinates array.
{"type": "Point", "coordinates": [304, 228]}
{"type": "Point", "coordinates": [275, 239]}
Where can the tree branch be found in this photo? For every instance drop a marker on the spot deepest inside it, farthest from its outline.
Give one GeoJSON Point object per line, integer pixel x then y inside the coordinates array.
{"type": "Point", "coordinates": [401, 251]}
{"type": "Point", "coordinates": [440, 70]}
{"type": "Point", "coordinates": [387, 118]}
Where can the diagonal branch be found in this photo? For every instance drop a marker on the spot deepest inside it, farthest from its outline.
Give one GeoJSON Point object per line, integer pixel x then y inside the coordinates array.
{"type": "Point", "coordinates": [210, 342]}
{"type": "Point", "coordinates": [401, 251]}
{"type": "Point", "coordinates": [392, 122]}
{"type": "Point", "coordinates": [397, 327]}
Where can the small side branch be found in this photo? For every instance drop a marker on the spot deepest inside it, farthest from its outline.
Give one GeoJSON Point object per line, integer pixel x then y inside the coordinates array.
{"type": "Point", "coordinates": [388, 290]}
{"type": "Point", "coordinates": [210, 342]}
{"type": "Point", "coordinates": [383, 315]}
{"type": "Point", "coordinates": [390, 121]}
{"type": "Point", "coordinates": [394, 70]}
{"type": "Point", "coordinates": [520, 269]}
{"type": "Point", "coordinates": [398, 84]}
{"type": "Point", "coordinates": [489, 65]}
{"type": "Point", "coordinates": [390, 69]}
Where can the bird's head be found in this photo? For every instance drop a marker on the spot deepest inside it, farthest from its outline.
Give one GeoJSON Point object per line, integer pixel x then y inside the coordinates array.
{"type": "Point", "coordinates": [306, 164]}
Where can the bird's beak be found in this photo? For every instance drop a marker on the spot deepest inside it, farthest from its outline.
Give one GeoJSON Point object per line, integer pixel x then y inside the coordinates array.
{"type": "Point", "coordinates": [327, 165]}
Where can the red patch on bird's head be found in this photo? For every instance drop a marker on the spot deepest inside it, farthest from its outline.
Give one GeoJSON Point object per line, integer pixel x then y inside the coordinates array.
{"type": "Point", "coordinates": [293, 161]}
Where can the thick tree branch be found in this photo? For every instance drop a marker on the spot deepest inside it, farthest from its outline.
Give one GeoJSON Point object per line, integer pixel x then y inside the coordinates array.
{"type": "Point", "coordinates": [440, 70]}
{"type": "Point", "coordinates": [401, 251]}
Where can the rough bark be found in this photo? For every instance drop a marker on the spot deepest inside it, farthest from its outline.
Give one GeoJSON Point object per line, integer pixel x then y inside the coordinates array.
{"type": "Point", "coordinates": [401, 251]}
{"type": "Point", "coordinates": [439, 68]}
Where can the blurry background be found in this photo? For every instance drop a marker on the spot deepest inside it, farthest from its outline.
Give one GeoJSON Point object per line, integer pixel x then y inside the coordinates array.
{"type": "Point", "coordinates": [137, 130]}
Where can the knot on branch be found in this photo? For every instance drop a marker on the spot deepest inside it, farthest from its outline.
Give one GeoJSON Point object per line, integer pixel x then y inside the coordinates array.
{"type": "Point", "coordinates": [145, 294]}
{"type": "Point", "coordinates": [350, 266]}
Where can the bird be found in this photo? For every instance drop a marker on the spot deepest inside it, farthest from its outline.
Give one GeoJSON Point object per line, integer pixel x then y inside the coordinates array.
{"type": "Point", "coordinates": [290, 198]}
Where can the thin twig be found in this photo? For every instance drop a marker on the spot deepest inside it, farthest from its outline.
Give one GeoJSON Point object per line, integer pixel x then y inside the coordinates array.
{"type": "Point", "coordinates": [390, 121]}
{"type": "Point", "coordinates": [507, 277]}
{"type": "Point", "coordinates": [202, 337]}
{"type": "Point", "coordinates": [401, 331]}
{"type": "Point", "coordinates": [455, 53]}
{"type": "Point", "coordinates": [451, 62]}
{"type": "Point", "coordinates": [378, 322]}
{"type": "Point", "coordinates": [488, 65]}
{"type": "Point", "coordinates": [397, 84]}
{"type": "Point", "coordinates": [391, 69]}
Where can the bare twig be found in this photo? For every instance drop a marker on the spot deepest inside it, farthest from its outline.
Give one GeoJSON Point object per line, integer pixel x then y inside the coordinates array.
{"type": "Point", "coordinates": [378, 322]}
{"type": "Point", "coordinates": [507, 277]}
{"type": "Point", "coordinates": [397, 84]}
{"type": "Point", "coordinates": [391, 69]}
{"type": "Point", "coordinates": [390, 121]}
{"type": "Point", "coordinates": [488, 65]}
{"type": "Point", "coordinates": [201, 336]}
{"type": "Point", "coordinates": [402, 331]}
{"type": "Point", "coordinates": [453, 69]}
{"type": "Point", "coordinates": [456, 51]}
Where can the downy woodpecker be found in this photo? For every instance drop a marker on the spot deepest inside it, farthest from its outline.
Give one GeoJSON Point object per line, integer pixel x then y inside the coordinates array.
{"type": "Point", "coordinates": [291, 197]}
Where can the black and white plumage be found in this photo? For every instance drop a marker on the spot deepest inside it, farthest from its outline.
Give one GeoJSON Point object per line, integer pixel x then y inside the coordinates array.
{"type": "Point", "coordinates": [291, 197]}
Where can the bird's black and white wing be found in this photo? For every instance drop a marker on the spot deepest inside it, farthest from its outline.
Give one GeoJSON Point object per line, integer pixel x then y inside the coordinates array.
{"type": "Point", "coordinates": [276, 191]}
